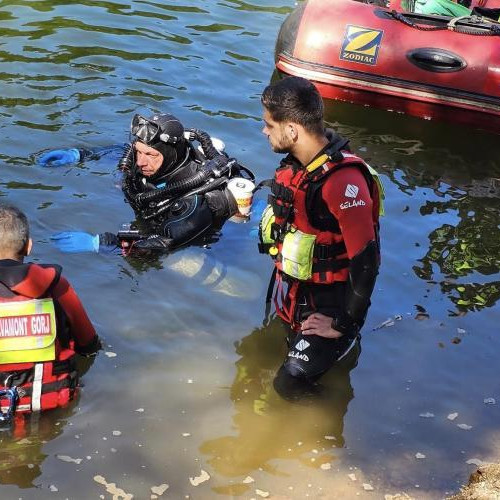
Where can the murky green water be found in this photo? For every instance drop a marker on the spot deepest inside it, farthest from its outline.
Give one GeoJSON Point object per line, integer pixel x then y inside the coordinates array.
{"type": "Point", "coordinates": [185, 384]}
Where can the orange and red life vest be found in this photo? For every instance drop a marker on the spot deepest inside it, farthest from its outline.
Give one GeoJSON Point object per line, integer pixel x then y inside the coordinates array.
{"type": "Point", "coordinates": [34, 356]}
{"type": "Point", "coordinates": [301, 234]}
{"type": "Point", "coordinates": [297, 206]}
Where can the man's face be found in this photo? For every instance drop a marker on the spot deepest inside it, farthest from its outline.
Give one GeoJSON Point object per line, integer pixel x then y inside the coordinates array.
{"type": "Point", "coordinates": [148, 159]}
{"type": "Point", "coordinates": [275, 132]}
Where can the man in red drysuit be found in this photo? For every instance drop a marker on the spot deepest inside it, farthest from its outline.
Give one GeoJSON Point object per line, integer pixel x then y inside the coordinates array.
{"type": "Point", "coordinates": [42, 325]}
{"type": "Point", "coordinates": [321, 229]}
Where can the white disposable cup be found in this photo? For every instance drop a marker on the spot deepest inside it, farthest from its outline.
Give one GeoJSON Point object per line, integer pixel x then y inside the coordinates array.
{"type": "Point", "coordinates": [242, 190]}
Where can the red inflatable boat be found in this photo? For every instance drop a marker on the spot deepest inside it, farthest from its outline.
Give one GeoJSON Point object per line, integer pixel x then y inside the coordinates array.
{"type": "Point", "coordinates": [424, 65]}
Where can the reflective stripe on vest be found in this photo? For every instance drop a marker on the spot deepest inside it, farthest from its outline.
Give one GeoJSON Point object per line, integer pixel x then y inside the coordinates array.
{"type": "Point", "coordinates": [27, 331]}
{"type": "Point", "coordinates": [297, 254]}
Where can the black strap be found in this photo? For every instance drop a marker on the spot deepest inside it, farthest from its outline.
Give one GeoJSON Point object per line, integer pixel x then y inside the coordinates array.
{"type": "Point", "coordinates": [282, 192]}
{"type": "Point", "coordinates": [324, 266]}
{"type": "Point", "coordinates": [280, 211]}
{"type": "Point", "coordinates": [264, 183]}
{"type": "Point", "coordinates": [270, 287]}
{"type": "Point", "coordinates": [66, 382]}
{"type": "Point", "coordinates": [21, 377]}
{"type": "Point", "coordinates": [269, 296]}
{"type": "Point", "coordinates": [324, 252]}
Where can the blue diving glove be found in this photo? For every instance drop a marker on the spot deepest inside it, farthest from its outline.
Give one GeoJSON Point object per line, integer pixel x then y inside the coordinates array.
{"type": "Point", "coordinates": [255, 216]}
{"type": "Point", "coordinates": [59, 157]}
{"type": "Point", "coordinates": [257, 210]}
{"type": "Point", "coordinates": [76, 241]}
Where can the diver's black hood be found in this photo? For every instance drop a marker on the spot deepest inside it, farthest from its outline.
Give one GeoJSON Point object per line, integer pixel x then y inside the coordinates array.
{"type": "Point", "coordinates": [174, 156]}
{"type": "Point", "coordinates": [171, 143]}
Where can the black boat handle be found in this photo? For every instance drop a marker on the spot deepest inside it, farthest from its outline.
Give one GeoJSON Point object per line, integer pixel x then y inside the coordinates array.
{"type": "Point", "coordinates": [436, 60]}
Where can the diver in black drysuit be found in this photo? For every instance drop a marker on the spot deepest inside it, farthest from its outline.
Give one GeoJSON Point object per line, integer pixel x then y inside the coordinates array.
{"type": "Point", "coordinates": [177, 192]}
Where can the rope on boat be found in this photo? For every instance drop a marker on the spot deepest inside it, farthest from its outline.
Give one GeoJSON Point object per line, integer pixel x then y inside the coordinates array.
{"type": "Point", "coordinates": [492, 29]}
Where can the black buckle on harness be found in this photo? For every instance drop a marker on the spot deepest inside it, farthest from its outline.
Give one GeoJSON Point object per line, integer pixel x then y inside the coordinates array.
{"type": "Point", "coordinates": [281, 211]}
{"type": "Point", "coordinates": [282, 192]}
{"type": "Point", "coordinates": [264, 247]}
{"type": "Point", "coordinates": [330, 265]}
{"type": "Point", "coordinates": [275, 231]}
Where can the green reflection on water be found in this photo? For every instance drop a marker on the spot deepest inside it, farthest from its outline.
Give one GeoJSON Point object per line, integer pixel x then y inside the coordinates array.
{"type": "Point", "coordinates": [56, 24]}
{"type": "Point", "coordinates": [26, 185]}
{"type": "Point", "coordinates": [38, 126]}
{"type": "Point", "coordinates": [469, 248]}
{"type": "Point", "coordinates": [239, 5]}
{"type": "Point", "coordinates": [175, 8]}
{"type": "Point", "coordinates": [229, 114]}
{"type": "Point", "coordinates": [241, 57]}
{"type": "Point", "coordinates": [48, 6]}
{"type": "Point", "coordinates": [214, 28]}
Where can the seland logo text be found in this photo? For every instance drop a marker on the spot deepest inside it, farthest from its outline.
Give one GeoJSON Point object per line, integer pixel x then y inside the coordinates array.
{"type": "Point", "coordinates": [361, 45]}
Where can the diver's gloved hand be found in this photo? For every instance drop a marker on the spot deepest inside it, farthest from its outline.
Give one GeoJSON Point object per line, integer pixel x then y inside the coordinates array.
{"type": "Point", "coordinates": [155, 242]}
{"type": "Point", "coordinates": [222, 204]}
{"type": "Point", "coordinates": [76, 241]}
{"type": "Point", "coordinates": [255, 215]}
{"type": "Point", "coordinates": [59, 157]}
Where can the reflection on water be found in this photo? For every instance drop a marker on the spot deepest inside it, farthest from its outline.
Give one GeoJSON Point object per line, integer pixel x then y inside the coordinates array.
{"type": "Point", "coordinates": [72, 75]}
{"type": "Point", "coordinates": [268, 427]}
{"type": "Point", "coordinates": [462, 190]}
{"type": "Point", "coordinates": [469, 250]}
{"type": "Point", "coordinates": [21, 444]}
{"type": "Point", "coordinates": [21, 450]}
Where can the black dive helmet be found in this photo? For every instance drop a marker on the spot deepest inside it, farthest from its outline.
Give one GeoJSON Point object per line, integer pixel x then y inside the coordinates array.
{"type": "Point", "coordinates": [165, 133]}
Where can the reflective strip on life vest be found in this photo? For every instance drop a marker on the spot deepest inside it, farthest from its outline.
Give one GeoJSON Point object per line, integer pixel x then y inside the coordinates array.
{"type": "Point", "coordinates": [297, 254]}
{"type": "Point", "coordinates": [27, 331]}
{"type": "Point", "coordinates": [36, 395]}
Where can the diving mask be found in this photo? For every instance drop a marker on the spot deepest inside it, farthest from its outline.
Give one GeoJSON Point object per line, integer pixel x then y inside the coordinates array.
{"type": "Point", "coordinates": [149, 132]}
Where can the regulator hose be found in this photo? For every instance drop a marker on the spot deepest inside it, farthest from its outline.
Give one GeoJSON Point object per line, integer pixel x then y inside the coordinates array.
{"type": "Point", "coordinates": [204, 139]}
{"type": "Point", "coordinates": [215, 167]}
{"type": "Point", "coordinates": [201, 190]}
{"type": "Point", "coordinates": [127, 160]}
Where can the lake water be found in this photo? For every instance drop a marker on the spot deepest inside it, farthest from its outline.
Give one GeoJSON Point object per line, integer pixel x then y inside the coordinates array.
{"type": "Point", "coordinates": [182, 395]}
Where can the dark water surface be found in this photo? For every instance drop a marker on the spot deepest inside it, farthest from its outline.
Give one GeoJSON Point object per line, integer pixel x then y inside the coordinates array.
{"type": "Point", "coordinates": [184, 390]}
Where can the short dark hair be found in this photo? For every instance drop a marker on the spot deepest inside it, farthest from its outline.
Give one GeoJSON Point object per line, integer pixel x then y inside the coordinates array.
{"type": "Point", "coordinates": [297, 100]}
{"type": "Point", "coordinates": [14, 229]}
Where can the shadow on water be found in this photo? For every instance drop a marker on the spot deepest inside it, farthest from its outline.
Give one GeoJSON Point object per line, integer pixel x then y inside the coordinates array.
{"type": "Point", "coordinates": [268, 428]}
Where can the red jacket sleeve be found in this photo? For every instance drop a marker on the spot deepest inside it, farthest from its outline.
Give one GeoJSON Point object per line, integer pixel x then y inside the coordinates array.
{"type": "Point", "coordinates": [348, 198]}
{"type": "Point", "coordinates": [81, 328]}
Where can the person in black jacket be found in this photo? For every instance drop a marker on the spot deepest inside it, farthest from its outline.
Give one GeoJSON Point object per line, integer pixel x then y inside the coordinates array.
{"type": "Point", "coordinates": [178, 192]}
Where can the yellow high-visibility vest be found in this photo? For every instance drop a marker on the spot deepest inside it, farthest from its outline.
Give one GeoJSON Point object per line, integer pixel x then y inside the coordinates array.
{"type": "Point", "coordinates": [27, 331]}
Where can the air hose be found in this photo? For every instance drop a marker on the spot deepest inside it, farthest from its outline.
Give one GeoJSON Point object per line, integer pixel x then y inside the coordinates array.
{"type": "Point", "coordinates": [127, 160]}
{"type": "Point", "coordinates": [205, 140]}
{"type": "Point", "coordinates": [215, 167]}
